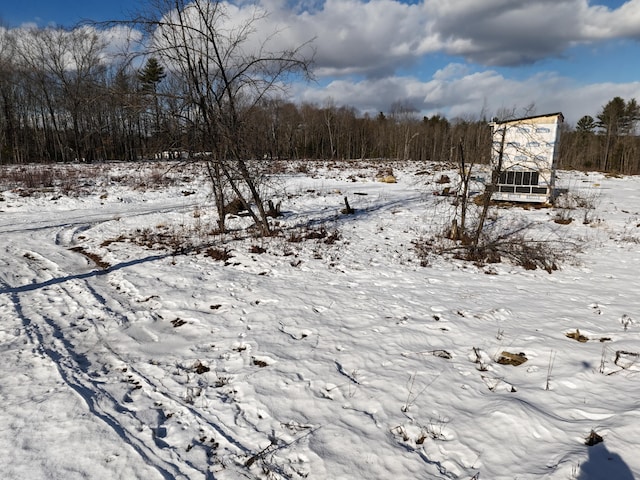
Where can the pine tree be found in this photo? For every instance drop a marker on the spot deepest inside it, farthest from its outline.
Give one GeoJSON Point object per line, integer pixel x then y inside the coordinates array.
{"type": "Point", "coordinates": [151, 75]}
{"type": "Point", "coordinates": [586, 124]}
{"type": "Point", "coordinates": [616, 119]}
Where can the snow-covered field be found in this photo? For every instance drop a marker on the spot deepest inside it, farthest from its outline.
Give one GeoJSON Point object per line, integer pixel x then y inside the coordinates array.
{"type": "Point", "coordinates": [326, 352]}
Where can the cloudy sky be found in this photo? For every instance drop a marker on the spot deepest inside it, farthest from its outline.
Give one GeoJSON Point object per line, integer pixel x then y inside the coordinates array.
{"type": "Point", "coordinates": [453, 57]}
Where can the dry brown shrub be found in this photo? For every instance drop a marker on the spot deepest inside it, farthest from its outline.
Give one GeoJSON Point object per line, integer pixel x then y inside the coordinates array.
{"type": "Point", "coordinates": [219, 254]}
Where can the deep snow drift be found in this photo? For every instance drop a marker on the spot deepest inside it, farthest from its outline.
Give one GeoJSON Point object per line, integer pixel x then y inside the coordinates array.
{"type": "Point", "coordinates": [327, 351]}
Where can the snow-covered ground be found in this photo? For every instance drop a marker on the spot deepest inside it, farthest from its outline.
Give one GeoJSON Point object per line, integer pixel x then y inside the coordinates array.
{"type": "Point", "coordinates": [325, 352]}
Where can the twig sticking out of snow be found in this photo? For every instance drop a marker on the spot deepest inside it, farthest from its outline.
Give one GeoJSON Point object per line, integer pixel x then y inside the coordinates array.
{"type": "Point", "coordinates": [350, 376]}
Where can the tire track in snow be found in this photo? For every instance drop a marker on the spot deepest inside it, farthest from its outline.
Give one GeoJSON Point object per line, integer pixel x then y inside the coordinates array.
{"type": "Point", "coordinates": [61, 340]}
{"type": "Point", "coordinates": [83, 219]}
{"type": "Point", "coordinates": [152, 384]}
{"type": "Point", "coordinates": [48, 338]}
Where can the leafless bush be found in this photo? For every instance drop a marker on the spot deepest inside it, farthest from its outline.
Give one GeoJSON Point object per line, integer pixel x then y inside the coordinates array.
{"type": "Point", "coordinates": [32, 177]}
{"type": "Point", "coordinates": [156, 176]}
{"type": "Point", "coordinates": [516, 249]}
{"type": "Point", "coordinates": [584, 201]}
{"type": "Point", "coordinates": [529, 254]}
{"type": "Point", "coordinates": [311, 233]}
{"type": "Point", "coordinates": [160, 237]}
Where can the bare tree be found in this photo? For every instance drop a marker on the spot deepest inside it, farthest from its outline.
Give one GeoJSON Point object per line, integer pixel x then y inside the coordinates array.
{"type": "Point", "coordinates": [227, 71]}
{"type": "Point", "coordinates": [8, 128]}
{"type": "Point", "coordinates": [64, 70]}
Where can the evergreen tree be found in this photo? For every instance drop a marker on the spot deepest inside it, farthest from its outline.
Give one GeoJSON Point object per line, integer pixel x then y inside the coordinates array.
{"type": "Point", "coordinates": [586, 124]}
{"type": "Point", "coordinates": [151, 75]}
{"type": "Point", "coordinates": [616, 119]}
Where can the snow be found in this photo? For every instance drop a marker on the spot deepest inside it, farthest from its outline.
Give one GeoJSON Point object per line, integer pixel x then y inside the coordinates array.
{"type": "Point", "coordinates": [335, 357]}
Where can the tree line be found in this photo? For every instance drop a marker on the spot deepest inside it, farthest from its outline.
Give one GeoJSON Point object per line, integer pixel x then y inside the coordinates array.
{"type": "Point", "coordinates": [61, 100]}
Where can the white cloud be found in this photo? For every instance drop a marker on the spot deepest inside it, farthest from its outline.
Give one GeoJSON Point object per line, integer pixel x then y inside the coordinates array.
{"type": "Point", "coordinates": [470, 95]}
{"type": "Point", "coordinates": [375, 37]}
{"type": "Point", "coordinates": [119, 40]}
{"type": "Point", "coordinates": [451, 71]}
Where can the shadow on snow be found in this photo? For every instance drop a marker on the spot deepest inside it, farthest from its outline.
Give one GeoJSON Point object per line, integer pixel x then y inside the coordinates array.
{"type": "Point", "coordinates": [81, 276]}
{"type": "Point", "coordinates": [604, 465]}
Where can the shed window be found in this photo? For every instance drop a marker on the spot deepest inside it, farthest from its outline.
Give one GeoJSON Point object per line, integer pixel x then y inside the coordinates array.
{"type": "Point", "coordinates": [519, 178]}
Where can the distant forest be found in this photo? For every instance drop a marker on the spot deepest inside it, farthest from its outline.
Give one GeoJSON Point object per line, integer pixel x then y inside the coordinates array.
{"type": "Point", "coordinates": [98, 111]}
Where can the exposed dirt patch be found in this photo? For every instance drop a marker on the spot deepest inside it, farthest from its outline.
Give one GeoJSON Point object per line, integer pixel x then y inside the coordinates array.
{"type": "Point", "coordinates": [92, 256]}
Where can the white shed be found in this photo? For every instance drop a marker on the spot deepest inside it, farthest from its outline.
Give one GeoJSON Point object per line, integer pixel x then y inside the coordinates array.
{"type": "Point", "coordinates": [524, 157]}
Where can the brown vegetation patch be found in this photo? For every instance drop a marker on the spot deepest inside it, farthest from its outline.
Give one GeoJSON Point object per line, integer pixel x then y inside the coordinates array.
{"type": "Point", "coordinates": [200, 369]}
{"type": "Point", "coordinates": [109, 241]}
{"type": "Point", "coordinates": [257, 249]}
{"type": "Point", "coordinates": [234, 207]}
{"type": "Point", "coordinates": [385, 175]}
{"type": "Point", "coordinates": [220, 254]}
{"type": "Point", "coordinates": [561, 220]}
{"type": "Point", "coordinates": [577, 336]}
{"type": "Point", "coordinates": [593, 439]}
{"type": "Point", "coordinates": [387, 179]}
{"type": "Point", "coordinates": [178, 322]}
{"type": "Point", "coordinates": [95, 258]}
{"type": "Point", "coordinates": [259, 363]}
{"type": "Point", "coordinates": [309, 233]}
{"type": "Point", "coordinates": [514, 359]}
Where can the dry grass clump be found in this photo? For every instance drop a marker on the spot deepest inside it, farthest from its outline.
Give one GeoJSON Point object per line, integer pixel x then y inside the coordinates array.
{"type": "Point", "coordinates": [311, 233]}
{"type": "Point", "coordinates": [257, 249]}
{"type": "Point", "coordinates": [201, 368]}
{"type": "Point", "coordinates": [218, 254]}
{"type": "Point", "coordinates": [386, 175]}
{"type": "Point", "coordinates": [514, 359]}
{"type": "Point", "coordinates": [577, 336]}
{"type": "Point", "coordinates": [95, 258]}
{"type": "Point", "coordinates": [28, 180]}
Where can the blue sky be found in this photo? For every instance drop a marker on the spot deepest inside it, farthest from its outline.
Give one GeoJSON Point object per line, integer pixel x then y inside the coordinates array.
{"type": "Point", "coordinates": [61, 12]}
{"type": "Point", "coordinates": [455, 57]}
